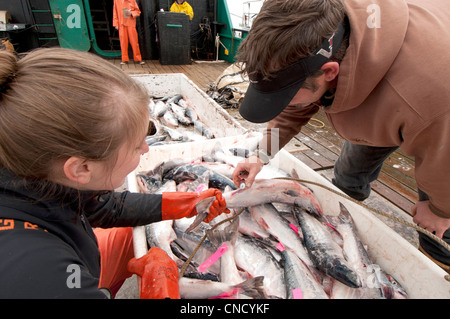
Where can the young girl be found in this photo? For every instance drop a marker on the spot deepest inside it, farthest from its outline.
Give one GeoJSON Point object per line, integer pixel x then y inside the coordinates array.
{"type": "Point", "coordinates": [72, 127]}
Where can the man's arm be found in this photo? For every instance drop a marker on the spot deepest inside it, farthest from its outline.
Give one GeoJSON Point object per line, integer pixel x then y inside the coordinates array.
{"type": "Point", "coordinates": [285, 126]}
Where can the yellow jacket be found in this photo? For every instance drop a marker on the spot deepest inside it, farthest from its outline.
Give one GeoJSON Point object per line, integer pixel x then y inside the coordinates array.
{"type": "Point", "coordinates": [184, 8]}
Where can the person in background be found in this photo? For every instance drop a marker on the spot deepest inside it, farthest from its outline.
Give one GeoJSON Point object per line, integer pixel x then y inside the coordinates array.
{"type": "Point", "coordinates": [184, 7]}
{"type": "Point", "coordinates": [379, 81]}
{"type": "Point", "coordinates": [83, 127]}
{"type": "Point", "coordinates": [125, 13]}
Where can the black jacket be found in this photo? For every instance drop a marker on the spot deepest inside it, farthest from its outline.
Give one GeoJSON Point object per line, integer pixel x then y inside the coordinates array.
{"type": "Point", "coordinates": [48, 248]}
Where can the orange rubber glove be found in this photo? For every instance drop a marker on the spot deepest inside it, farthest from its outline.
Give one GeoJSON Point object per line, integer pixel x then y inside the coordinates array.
{"type": "Point", "coordinates": [159, 275]}
{"type": "Point", "coordinates": [176, 205]}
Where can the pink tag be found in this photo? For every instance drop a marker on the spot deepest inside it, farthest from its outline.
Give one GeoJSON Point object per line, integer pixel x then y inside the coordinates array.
{"type": "Point", "coordinates": [297, 293]}
{"type": "Point", "coordinates": [200, 188]}
{"type": "Point", "coordinates": [227, 295]}
{"type": "Point", "coordinates": [214, 257]}
{"type": "Point", "coordinates": [294, 228]}
{"type": "Point", "coordinates": [280, 247]}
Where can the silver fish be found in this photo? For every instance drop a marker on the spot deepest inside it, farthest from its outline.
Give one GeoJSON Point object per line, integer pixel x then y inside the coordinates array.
{"type": "Point", "coordinates": [216, 180]}
{"type": "Point", "coordinates": [174, 99]}
{"type": "Point", "coordinates": [174, 134]}
{"type": "Point", "coordinates": [150, 181]}
{"type": "Point", "coordinates": [160, 108]}
{"type": "Point", "coordinates": [340, 290]}
{"type": "Point", "coordinates": [161, 234]}
{"type": "Point", "coordinates": [191, 114]}
{"type": "Point", "coordinates": [249, 143]}
{"type": "Point", "coordinates": [191, 270]}
{"type": "Point", "coordinates": [357, 256]}
{"type": "Point", "coordinates": [190, 241]}
{"type": "Point", "coordinates": [256, 261]}
{"type": "Point", "coordinates": [170, 118]}
{"type": "Point", "coordinates": [198, 184]}
{"type": "Point", "coordinates": [203, 129]}
{"type": "Point", "coordinates": [182, 102]}
{"type": "Point", "coordinates": [148, 184]}
{"type": "Point", "coordinates": [180, 114]}
{"type": "Point", "coordinates": [270, 220]}
{"type": "Point", "coordinates": [227, 157]}
{"type": "Point", "coordinates": [324, 251]}
{"type": "Point", "coordinates": [298, 276]}
{"type": "Point", "coordinates": [265, 191]}
{"type": "Point", "coordinates": [390, 286]}
{"type": "Point", "coordinates": [220, 168]}
{"type": "Point", "coordinates": [151, 140]}
{"type": "Point", "coordinates": [192, 136]}
{"type": "Point", "coordinates": [203, 289]}
{"type": "Point", "coordinates": [228, 270]}
{"type": "Point", "coordinates": [248, 226]}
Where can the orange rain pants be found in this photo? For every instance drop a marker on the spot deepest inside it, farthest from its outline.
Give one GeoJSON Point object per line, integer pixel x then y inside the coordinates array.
{"type": "Point", "coordinates": [129, 33]}
{"type": "Point", "coordinates": [116, 249]}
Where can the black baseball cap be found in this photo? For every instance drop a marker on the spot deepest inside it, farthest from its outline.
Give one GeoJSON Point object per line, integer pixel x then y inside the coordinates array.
{"type": "Point", "coordinates": [266, 98]}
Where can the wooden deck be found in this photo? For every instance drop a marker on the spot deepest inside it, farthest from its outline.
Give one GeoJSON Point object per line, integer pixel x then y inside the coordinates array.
{"type": "Point", "coordinates": [318, 146]}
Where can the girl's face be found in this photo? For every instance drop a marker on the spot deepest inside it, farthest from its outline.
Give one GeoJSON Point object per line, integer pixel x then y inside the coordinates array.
{"type": "Point", "coordinates": [128, 159]}
{"type": "Point", "coordinates": [107, 175]}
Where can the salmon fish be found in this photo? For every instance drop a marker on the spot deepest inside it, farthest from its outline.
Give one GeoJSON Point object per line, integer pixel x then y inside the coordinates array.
{"type": "Point", "coordinates": [324, 251]}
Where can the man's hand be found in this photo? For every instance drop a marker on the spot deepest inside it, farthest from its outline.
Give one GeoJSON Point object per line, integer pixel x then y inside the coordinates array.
{"type": "Point", "coordinates": [426, 219]}
{"type": "Point", "coordinates": [247, 170]}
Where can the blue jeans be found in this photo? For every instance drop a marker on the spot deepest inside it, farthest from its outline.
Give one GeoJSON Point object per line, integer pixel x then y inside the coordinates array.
{"type": "Point", "coordinates": [358, 166]}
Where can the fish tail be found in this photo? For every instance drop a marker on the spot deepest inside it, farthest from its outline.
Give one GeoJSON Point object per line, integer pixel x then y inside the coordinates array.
{"type": "Point", "coordinates": [202, 208]}
{"type": "Point", "coordinates": [253, 287]}
{"type": "Point", "coordinates": [228, 234]}
{"type": "Point", "coordinates": [197, 221]}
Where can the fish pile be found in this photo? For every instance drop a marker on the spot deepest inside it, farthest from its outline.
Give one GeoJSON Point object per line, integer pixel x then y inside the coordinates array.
{"type": "Point", "coordinates": [278, 242]}
{"type": "Point", "coordinates": [174, 120]}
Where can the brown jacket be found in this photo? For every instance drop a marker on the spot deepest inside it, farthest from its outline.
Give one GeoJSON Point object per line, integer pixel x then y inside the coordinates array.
{"type": "Point", "coordinates": [118, 16]}
{"type": "Point", "coordinates": [393, 88]}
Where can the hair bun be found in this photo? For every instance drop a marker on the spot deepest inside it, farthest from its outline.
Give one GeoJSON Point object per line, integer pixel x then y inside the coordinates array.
{"type": "Point", "coordinates": [8, 69]}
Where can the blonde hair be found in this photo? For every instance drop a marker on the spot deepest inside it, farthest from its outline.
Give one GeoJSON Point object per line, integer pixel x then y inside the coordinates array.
{"type": "Point", "coordinates": [56, 103]}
